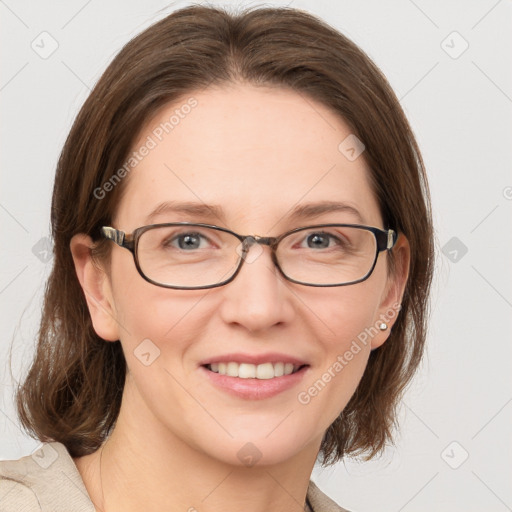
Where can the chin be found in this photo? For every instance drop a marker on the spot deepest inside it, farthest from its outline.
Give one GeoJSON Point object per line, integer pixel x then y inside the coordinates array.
{"type": "Point", "coordinates": [258, 450]}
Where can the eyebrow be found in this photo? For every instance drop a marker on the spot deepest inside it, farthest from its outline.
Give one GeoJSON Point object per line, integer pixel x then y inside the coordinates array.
{"type": "Point", "coordinates": [300, 212]}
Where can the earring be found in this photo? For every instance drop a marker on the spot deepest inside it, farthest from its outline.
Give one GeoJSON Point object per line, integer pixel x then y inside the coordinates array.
{"type": "Point", "coordinates": [383, 326]}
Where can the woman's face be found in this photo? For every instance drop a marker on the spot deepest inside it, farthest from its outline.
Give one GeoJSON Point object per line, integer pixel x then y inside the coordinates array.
{"type": "Point", "coordinates": [254, 156]}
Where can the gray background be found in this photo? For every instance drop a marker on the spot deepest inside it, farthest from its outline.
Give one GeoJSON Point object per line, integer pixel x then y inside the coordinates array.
{"type": "Point", "coordinates": [459, 104]}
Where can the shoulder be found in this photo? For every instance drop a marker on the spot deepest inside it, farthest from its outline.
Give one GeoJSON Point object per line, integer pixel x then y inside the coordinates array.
{"type": "Point", "coordinates": [320, 502]}
{"type": "Point", "coordinates": [47, 480]}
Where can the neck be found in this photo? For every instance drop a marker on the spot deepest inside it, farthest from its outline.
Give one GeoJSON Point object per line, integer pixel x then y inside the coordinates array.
{"type": "Point", "coordinates": [143, 466]}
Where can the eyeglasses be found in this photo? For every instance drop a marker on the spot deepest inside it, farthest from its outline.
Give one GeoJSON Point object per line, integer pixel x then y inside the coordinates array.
{"type": "Point", "coordinates": [188, 256]}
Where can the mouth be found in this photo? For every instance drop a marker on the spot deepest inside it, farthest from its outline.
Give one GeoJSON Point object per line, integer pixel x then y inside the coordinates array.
{"type": "Point", "coordinates": [251, 377]}
{"type": "Point", "coordinates": [263, 371]}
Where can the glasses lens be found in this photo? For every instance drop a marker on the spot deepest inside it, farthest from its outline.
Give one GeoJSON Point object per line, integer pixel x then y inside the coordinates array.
{"type": "Point", "coordinates": [327, 255]}
{"type": "Point", "coordinates": [187, 256]}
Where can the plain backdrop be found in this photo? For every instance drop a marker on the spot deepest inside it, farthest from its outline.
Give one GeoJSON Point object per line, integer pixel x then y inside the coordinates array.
{"type": "Point", "coordinates": [450, 65]}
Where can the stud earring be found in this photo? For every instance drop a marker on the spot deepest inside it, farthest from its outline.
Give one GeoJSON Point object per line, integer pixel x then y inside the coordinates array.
{"type": "Point", "coordinates": [383, 326]}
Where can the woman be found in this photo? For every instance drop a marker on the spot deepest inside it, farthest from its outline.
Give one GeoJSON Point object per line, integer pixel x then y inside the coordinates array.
{"type": "Point", "coordinates": [242, 260]}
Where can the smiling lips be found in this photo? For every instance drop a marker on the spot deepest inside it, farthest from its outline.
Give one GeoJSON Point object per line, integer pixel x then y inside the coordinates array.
{"type": "Point", "coordinates": [254, 366]}
{"type": "Point", "coordinates": [253, 371]}
{"type": "Point", "coordinates": [254, 382]}
{"type": "Point", "coordinates": [254, 376]}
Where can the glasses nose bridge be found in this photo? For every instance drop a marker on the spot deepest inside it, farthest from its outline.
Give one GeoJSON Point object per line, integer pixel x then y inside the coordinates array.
{"type": "Point", "coordinates": [251, 240]}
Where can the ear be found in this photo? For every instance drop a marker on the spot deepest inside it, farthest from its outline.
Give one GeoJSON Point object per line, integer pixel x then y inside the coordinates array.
{"type": "Point", "coordinates": [389, 308]}
{"type": "Point", "coordinates": [96, 287]}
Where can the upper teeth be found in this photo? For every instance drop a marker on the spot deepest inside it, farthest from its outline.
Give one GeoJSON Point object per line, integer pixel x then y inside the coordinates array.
{"type": "Point", "coordinates": [253, 371]}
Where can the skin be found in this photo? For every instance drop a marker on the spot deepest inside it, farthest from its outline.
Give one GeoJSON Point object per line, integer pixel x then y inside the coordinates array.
{"type": "Point", "coordinates": [257, 152]}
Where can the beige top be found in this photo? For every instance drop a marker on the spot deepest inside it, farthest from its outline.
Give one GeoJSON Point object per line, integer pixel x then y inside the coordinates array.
{"type": "Point", "coordinates": [49, 481]}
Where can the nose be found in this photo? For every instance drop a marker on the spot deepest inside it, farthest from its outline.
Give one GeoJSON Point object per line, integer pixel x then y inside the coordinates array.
{"type": "Point", "coordinates": [259, 297]}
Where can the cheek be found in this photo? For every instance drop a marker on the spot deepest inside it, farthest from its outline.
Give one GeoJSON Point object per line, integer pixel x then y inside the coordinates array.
{"type": "Point", "coordinates": [142, 308]}
{"type": "Point", "coordinates": [340, 315]}
{"type": "Point", "coordinates": [161, 326]}
{"type": "Point", "coordinates": [343, 323]}
{"type": "Point", "coordinates": [170, 319]}
{"type": "Point", "coordinates": [161, 321]}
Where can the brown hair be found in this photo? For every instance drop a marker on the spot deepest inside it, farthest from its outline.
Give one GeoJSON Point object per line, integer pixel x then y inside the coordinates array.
{"type": "Point", "coordinates": [72, 392]}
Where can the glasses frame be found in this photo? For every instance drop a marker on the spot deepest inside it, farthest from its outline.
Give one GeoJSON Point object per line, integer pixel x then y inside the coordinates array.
{"type": "Point", "coordinates": [385, 241]}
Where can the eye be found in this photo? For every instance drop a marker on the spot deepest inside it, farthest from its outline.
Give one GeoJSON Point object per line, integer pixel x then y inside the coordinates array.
{"type": "Point", "coordinates": [188, 241]}
{"type": "Point", "coordinates": [320, 240]}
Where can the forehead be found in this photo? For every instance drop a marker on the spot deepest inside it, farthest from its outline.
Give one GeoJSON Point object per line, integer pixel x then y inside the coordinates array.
{"type": "Point", "coordinates": [255, 152]}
